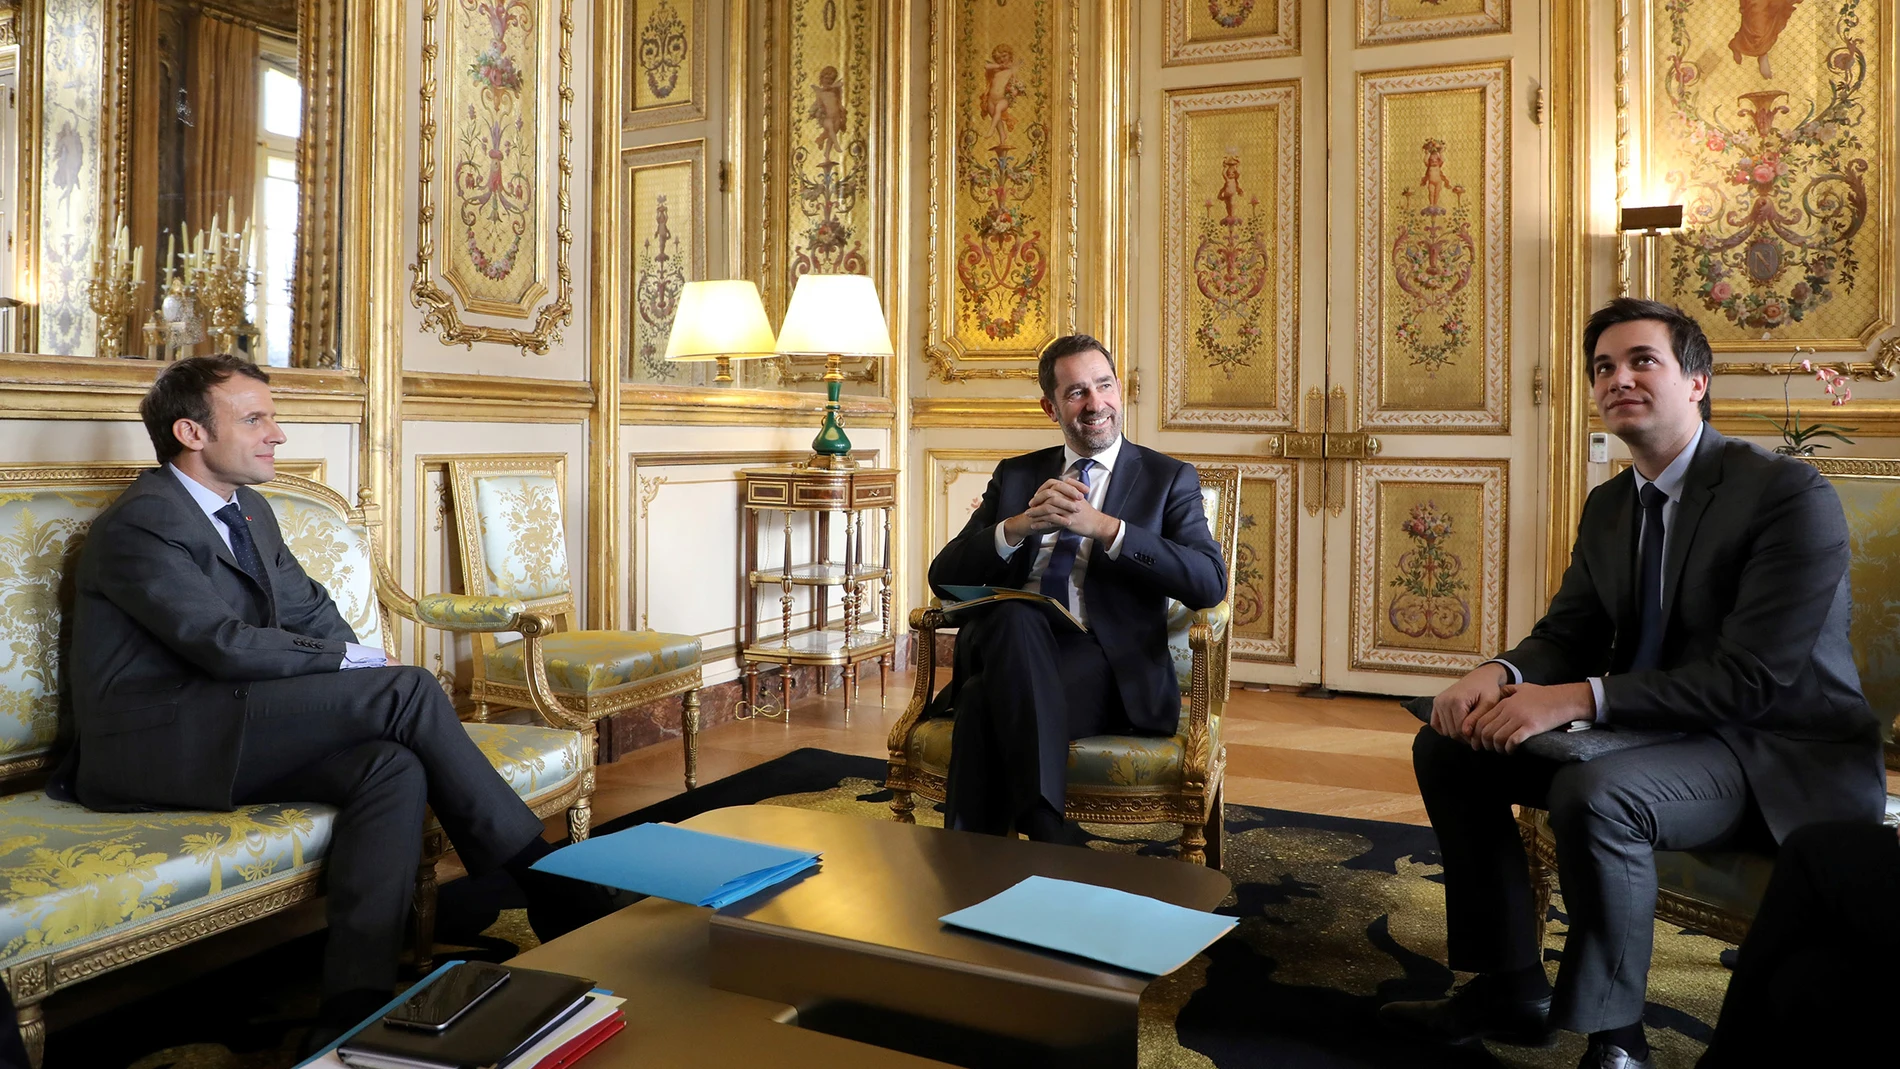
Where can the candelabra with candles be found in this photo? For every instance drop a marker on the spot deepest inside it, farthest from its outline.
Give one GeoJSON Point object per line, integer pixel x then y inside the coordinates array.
{"type": "Point", "coordinates": [209, 285]}
{"type": "Point", "coordinates": [117, 275]}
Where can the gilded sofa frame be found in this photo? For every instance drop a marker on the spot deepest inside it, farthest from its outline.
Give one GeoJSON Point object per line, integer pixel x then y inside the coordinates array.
{"type": "Point", "coordinates": [31, 982]}
{"type": "Point", "coordinates": [1672, 906]}
{"type": "Point", "coordinates": [561, 611]}
{"type": "Point", "coordinates": [1197, 805]}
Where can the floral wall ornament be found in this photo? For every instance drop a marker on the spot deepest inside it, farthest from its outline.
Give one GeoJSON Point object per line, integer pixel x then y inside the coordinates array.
{"type": "Point", "coordinates": [1232, 264]}
{"type": "Point", "coordinates": [1431, 592]}
{"type": "Point", "coordinates": [663, 49]}
{"type": "Point", "coordinates": [658, 279]}
{"type": "Point", "coordinates": [1777, 166]}
{"type": "Point", "coordinates": [1209, 31]}
{"type": "Point", "coordinates": [72, 96]}
{"type": "Point", "coordinates": [1002, 258]}
{"type": "Point", "coordinates": [829, 172]}
{"type": "Point", "coordinates": [1432, 258]}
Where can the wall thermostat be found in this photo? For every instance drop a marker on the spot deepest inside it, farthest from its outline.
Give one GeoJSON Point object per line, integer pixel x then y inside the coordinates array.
{"type": "Point", "coordinates": [1599, 448]}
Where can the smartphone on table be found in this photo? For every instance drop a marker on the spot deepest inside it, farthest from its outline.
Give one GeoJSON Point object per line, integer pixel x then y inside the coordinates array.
{"type": "Point", "coordinates": [453, 994]}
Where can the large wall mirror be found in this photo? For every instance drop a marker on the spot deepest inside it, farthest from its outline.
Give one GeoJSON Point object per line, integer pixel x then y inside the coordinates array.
{"type": "Point", "coordinates": [170, 178]}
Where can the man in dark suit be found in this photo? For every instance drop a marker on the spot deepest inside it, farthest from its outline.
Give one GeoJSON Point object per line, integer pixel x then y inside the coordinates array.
{"type": "Point", "coordinates": [209, 671]}
{"type": "Point", "coordinates": [1109, 529]}
{"type": "Point", "coordinates": [1707, 594]}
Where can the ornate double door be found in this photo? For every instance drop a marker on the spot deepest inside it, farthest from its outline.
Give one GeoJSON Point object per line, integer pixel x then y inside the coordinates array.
{"type": "Point", "coordinates": [1340, 217]}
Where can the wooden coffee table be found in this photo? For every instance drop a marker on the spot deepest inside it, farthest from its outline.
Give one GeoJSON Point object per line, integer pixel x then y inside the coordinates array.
{"type": "Point", "coordinates": [848, 964]}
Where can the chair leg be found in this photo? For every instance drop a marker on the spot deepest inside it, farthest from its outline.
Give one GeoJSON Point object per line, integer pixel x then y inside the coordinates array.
{"type": "Point", "coordinates": [423, 949]}
{"type": "Point", "coordinates": [1540, 896]}
{"type": "Point", "coordinates": [580, 819]}
{"type": "Point", "coordinates": [1194, 843]}
{"type": "Point", "coordinates": [32, 1024]}
{"type": "Point", "coordinates": [481, 712]}
{"type": "Point", "coordinates": [689, 734]}
{"type": "Point", "coordinates": [1216, 827]}
{"type": "Point", "coordinates": [902, 807]}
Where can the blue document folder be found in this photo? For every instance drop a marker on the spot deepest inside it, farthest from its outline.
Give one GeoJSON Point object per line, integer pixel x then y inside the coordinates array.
{"type": "Point", "coordinates": [679, 864]}
{"type": "Point", "coordinates": [1130, 931]}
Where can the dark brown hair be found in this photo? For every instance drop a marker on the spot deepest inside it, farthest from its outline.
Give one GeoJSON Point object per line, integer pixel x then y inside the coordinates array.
{"type": "Point", "coordinates": [183, 391]}
{"type": "Point", "coordinates": [1067, 345]}
{"type": "Point", "coordinates": [1686, 339]}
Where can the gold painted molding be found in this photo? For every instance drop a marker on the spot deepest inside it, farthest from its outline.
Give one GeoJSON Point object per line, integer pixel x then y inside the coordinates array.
{"type": "Point", "coordinates": [1883, 368]}
{"type": "Point", "coordinates": [1566, 473]}
{"type": "Point", "coordinates": [660, 405]}
{"type": "Point", "coordinates": [494, 399]}
{"type": "Point", "coordinates": [978, 412]}
{"type": "Point", "coordinates": [88, 388]}
{"type": "Point", "coordinates": [1731, 415]}
{"type": "Point", "coordinates": [603, 301]}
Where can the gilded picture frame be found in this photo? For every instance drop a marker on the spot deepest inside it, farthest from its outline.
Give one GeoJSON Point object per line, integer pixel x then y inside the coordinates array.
{"type": "Point", "coordinates": [1772, 123]}
{"type": "Point", "coordinates": [663, 63]}
{"type": "Point", "coordinates": [1199, 31]}
{"type": "Point", "coordinates": [1231, 267]}
{"type": "Point", "coordinates": [1391, 22]}
{"type": "Point", "coordinates": [1434, 249]}
{"type": "Point", "coordinates": [1004, 175]}
{"type": "Point", "coordinates": [663, 197]}
{"type": "Point", "coordinates": [504, 218]}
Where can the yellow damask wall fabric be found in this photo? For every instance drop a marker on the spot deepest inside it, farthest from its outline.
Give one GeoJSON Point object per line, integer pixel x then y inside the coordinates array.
{"type": "Point", "coordinates": [594, 661]}
{"type": "Point", "coordinates": [68, 875]}
{"type": "Point", "coordinates": [523, 542]}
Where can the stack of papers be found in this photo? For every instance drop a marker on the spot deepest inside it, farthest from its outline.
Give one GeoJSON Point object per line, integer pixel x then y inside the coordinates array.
{"type": "Point", "coordinates": [680, 864]}
{"type": "Point", "coordinates": [1131, 931]}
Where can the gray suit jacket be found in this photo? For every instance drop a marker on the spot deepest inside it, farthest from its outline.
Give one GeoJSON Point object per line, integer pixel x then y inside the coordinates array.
{"type": "Point", "coordinates": [167, 630]}
{"type": "Point", "coordinates": [1756, 606]}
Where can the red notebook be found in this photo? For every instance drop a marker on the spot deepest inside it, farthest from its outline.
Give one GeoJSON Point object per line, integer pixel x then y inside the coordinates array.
{"type": "Point", "coordinates": [577, 1048]}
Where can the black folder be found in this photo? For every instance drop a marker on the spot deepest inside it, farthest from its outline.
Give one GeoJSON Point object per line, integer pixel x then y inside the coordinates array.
{"type": "Point", "coordinates": [491, 1034]}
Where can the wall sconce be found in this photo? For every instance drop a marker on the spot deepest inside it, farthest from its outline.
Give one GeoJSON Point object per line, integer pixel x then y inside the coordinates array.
{"type": "Point", "coordinates": [722, 320]}
{"type": "Point", "coordinates": [1650, 222]}
{"type": "Point", "coordinates": [834, 316]}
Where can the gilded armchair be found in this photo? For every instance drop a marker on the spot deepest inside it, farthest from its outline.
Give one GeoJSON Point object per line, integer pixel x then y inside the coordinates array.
{"type": "Point", "coordinates": [508, 513]}
{"type": "Point", "coordinates": [1112, 779]}
{"type": "Point", "coordinates": [1718, 891]}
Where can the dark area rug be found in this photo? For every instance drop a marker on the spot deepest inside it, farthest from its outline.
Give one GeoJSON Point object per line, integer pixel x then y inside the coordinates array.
{"type": "Point", "coordinates": [1337, 916]}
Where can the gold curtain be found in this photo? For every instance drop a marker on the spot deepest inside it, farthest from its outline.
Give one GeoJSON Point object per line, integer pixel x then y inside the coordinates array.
{"type": "Point", "coordinates": [221, 143]}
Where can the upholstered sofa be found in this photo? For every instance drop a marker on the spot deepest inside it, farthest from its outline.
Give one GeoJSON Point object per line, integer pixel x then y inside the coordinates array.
{"type": "Point", "coordinates": [83, 893]}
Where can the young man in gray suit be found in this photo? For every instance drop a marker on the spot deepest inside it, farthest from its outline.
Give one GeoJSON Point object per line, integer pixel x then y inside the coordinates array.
{"type": "Point", "coordinates": [209, 671]}
{"type": "Point", "coordinates": [1707, 594]}
{"type": "Point", "coordinates": [1111, 530]}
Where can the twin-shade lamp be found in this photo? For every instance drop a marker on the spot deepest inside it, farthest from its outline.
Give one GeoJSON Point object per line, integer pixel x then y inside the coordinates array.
{"type": "Point", "coordinates": [833, 316]}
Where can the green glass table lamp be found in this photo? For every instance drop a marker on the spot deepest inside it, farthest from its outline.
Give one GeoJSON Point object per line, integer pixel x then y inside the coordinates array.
{"type": "Point", "coordinates": [834, 316]}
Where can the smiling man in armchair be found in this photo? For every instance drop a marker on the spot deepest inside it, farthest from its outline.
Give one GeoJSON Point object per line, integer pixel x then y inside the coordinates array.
{"type": "Point", "coordinates": [1108, 528]}
{"type": "Point", "coordinates": [1706, 596]}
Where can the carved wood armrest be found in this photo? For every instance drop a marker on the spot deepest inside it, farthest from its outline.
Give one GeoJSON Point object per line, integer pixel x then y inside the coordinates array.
{"type": "Point", "coordinates": [924, 622]}
{"type": "Point", "coordinates": [1207, 639]}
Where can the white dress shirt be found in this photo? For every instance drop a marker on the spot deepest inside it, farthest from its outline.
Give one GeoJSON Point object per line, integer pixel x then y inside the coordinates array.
{"type": "Point", "coordinates": [354, 655]}
{"type": "Point", "coordinates": [1098, 493]}
{"type": "Point", "coordinates": [1669, 481]}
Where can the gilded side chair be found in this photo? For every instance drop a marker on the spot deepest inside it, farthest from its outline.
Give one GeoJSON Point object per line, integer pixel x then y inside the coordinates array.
{"type": "Point", "coordinates": [508, 514]}
{"type": "Point", "coordinates": [1112, 779]}
{"type": "Point", "coordinates": [1718, 891]}
{"type": "Point", "coordinates": [84, 893]}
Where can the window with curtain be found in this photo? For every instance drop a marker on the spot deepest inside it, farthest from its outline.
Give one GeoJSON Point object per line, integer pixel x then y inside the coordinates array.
{"type": "Point", "coordinates": [274, 252]}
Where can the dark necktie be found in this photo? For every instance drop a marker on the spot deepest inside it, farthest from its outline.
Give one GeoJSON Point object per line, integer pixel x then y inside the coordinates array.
{"type": "Point", "coordinates": [242, 547]}
{"type": "Point", "coordinates": [1649, 583]}
{"type": "Point", "coordinates": [1055, 579]}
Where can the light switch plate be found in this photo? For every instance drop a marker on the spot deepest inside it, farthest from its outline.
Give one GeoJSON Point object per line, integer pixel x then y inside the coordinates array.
{"type": "Point", "coordinates": [1599, 448]}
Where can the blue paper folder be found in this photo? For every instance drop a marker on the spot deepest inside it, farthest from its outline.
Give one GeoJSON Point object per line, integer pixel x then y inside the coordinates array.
{"type": "Point", "coordinates": [1126, 930]}
{"type": "Point", "coordinates": [679, 864]}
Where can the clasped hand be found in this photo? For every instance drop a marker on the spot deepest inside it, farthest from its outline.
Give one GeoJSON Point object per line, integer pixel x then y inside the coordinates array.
{"type": "Point", "coordinates": [1060, 505]}
{"type": "Point", "coordinates": [1487, 712]}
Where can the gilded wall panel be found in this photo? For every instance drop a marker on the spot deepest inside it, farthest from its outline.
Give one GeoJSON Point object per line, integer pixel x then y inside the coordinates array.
{"type": "Point", "coordinates": [1216, 31]}
{"type": "Point", "coordinates": [1428, 565]}
{"type": "Point", "coordinates": [665, 190]}
{"type": "Point", "coordinates": [495, 168]}
{"type": "Point", "coordinates": [72, 96]}
{"type": "Point", "coordinates": [1771, 122]}
{"type": "Point", "coordinates": [824, 79]}
{"type": "Point", "coordinates": [1389, 22]}
{"type": "Point", "coordinates": [664, 64]}
{"type": "Point", "coordinates": [1434, 249]}
{"type": "Point", "coordinates": [1231, 277]}
{"type": "Point", "coordinates": [1003, 180]}
{"type": "Point", "coordinates": [1264, 565]}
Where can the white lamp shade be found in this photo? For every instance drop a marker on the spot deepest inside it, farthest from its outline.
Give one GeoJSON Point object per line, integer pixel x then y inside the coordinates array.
{"type": "Point", "coordinates": [719, 318]}
{"type": "Point", "coordinates": [834, 314]}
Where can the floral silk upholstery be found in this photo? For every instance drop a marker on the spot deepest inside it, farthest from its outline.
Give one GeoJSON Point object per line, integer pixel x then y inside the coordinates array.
{"type": "Point", "coordinates": [1099, 761]}
{"type": "Point", "coordinates": [69, 875]}
{"type": "Point", "coordinates": [534, 760]}
{"type": "Point", "coordinates": [590, 662]}
{"type": "Point", "coordinates": [467, 612]}
{"type": "Point", "coordinates": [333, 553]}
{"type": "Point", "coordinates": [524, 545]}
{"type": "Point", "coordinates": [41, 528]}
{"type": "Point", "coordinates": [1872, 506]}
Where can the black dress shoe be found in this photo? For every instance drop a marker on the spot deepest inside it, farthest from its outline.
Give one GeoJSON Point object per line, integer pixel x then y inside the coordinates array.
{"type": "Point", "coordinates": [1610, 1056]}
{"type": "Point", "coordinates": [1476, 1011]}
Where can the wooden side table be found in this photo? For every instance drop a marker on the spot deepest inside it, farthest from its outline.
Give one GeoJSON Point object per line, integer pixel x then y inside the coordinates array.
{"type": "Point", "coordinates": [849, 494]}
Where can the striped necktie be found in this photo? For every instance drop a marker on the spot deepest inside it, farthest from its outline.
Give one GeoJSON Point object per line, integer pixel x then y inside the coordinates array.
{"type": "Point", "coordinates": [1055, 578]}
